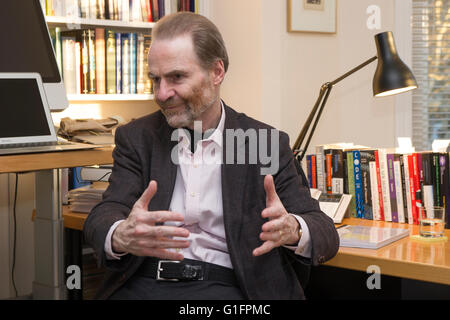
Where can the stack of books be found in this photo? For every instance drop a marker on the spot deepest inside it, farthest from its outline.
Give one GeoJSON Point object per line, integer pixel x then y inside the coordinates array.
{"type": "Point", "coordinates": [385, 185]}
{"type": "Point", "coordinates": [85, 198]}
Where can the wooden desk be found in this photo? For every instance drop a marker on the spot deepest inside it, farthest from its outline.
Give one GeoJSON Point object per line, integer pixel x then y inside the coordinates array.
{"type": "Point", "coordinates": [405, 258]}
{"type": "Point", "coordinates": [49, 275]}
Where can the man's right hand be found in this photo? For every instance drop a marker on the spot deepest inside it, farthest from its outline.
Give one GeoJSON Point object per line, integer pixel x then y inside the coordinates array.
{"type": "Point", "coordinates": [142, 234]}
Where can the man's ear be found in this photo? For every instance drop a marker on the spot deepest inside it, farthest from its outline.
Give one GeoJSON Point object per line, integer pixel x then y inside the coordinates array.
{"type": "Point", "coordinates": [218, 72]}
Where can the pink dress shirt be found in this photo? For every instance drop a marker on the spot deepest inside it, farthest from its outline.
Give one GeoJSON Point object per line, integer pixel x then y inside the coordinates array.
{"type": "Point", "coordinates": [198, 196]}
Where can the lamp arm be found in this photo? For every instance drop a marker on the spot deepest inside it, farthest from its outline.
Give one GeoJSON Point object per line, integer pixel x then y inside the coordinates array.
{"type": "Point", "coordinates": [299, 151]}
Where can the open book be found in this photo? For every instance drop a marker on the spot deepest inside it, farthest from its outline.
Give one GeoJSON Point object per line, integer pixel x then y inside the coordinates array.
{"type": "Point", "coordinates": [333, 205]}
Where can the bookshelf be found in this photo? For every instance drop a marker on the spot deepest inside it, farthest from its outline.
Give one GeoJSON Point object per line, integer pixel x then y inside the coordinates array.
{"type": "Point", "coordinates": [71, 23]}
{"type": "Point", "coordinates": [65, 22]}
{"type": "Point", "coordinates": [109, 97]}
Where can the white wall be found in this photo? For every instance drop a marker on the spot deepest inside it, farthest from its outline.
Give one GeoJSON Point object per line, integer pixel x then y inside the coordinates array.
{"type": "Point", "coordinates": [293, 66]}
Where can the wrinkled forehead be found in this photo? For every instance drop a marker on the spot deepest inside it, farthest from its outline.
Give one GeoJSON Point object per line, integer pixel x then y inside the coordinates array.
{"type": "Point", "coordinates": [169, 54]}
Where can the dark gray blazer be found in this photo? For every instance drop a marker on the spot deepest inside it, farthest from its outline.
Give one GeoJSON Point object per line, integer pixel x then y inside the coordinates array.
{"type": "Point", "coordinates": [143, 153]}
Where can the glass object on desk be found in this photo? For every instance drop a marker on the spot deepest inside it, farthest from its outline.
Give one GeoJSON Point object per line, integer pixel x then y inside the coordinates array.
{"type": "Point", "coordinates": [431, 222]}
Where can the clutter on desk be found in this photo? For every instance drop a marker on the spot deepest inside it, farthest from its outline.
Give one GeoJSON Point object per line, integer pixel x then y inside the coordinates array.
{"type": "Point", "coordinates": [85, 198]}
{"type": "Point", "coordinates": [93, 131]}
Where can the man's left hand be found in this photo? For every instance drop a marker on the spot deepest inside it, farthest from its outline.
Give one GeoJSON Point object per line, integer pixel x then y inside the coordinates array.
{"type": "Point", "coordinates": [282, 228]}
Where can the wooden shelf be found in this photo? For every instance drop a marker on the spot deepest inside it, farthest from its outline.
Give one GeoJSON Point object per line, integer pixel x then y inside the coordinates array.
{"type": "Point", "coordinates": [109, 97]}
{"type": "Point", "coordinates": [76, 23]}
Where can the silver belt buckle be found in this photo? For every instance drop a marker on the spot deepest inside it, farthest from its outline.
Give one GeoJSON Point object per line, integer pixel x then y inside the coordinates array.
{"type": "Point", "coordinates": [158, 271]}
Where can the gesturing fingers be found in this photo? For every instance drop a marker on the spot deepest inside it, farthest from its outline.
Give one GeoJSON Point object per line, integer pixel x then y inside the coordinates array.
{"type": "Point", "coordinates": [147, 195]}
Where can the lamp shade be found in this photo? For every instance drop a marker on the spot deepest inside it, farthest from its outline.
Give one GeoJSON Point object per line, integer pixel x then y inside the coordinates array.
{"type": "Point", "coordinates": [392, 75]}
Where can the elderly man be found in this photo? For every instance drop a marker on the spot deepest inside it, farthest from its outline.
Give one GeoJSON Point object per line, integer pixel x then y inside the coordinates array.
{"type": "Point", "coordinates": [192, 212]}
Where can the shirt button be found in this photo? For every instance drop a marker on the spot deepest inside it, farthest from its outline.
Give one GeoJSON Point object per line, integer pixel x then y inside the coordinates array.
{"type": "Point", "coordinates": [192, 194]}
{"type": "Point", "coordinates": [195, 166]}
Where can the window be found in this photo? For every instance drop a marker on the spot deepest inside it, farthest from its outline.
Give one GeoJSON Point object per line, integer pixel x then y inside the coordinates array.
{"type": "Point", "coordinates": [431, 67]}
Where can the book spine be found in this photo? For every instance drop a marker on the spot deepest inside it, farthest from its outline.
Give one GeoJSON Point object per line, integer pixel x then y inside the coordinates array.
{"type": "Point", "coordinates": [417, 185]}
{"type": "Point", "coordinates": [313, 167]}
{"type": "Point", "coordinates": [442, 172]}
{"type": "Point", "coordinates": [398, 190]}
{"type": "Point", "coordinates": [85, 62]}
{"type": "Point", "coordinates": [366, 157]}
{"type": "Point", "coordinates": [385, 186]}
{"type": "Point", "coordinates": [118, 62]}
{"type": "Point", "coordinates": [446, 190]}
{"type": "Point", "coordinates": [320, 161]}
{"type": "Point", "coordinates": [380, 203]}
{"type": "Point", "coordinates": [374, 190]}
{"type": "Point", "coordinates": [392, 190]}
{"type": "Point", "coordinates": [412, 189]}
{"type": "Point", "coordinates": [69, 64]}
{"type": "Point", "coordinates": [407, 188]}
{"type": "Point", "coordinates": [329, 173]}
{"type": "Point", "coordinates": [337, 178]}
{"type": "Point", "coordinates": [91, 48]}
{"type": "Point", "coordinates": [140, 86]}
{"type": "Point", "coordinates": [351, 183]}
{"type": "Point", "coordinates": [359, 202]}
{"type": "Point", "coordinates": [100, 59]}
{"type": "Point", "coordinates": [427, 188]}
{"type": "Point", "coordinates": [111, 62]}
{"type": "Point", "coordinates": [78, 67]}
{"type": "Point", "coordinates": [133, 66]}
{"type": "Point", "coordinates": [125, 64]}
{"type": "Point", "coordinates": [309, 169]}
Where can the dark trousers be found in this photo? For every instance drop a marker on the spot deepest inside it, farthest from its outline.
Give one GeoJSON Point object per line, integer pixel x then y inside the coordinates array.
{"type": "Point", "coordinates": [143, 288]}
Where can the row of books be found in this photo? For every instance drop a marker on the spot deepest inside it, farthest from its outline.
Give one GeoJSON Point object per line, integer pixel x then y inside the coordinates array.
{"type": "Point", "coordinates": [123, 10]}
{"type": "Point", "coordinates": [103, 61]}
{"type": "Point", "coordinates": [384, 184]}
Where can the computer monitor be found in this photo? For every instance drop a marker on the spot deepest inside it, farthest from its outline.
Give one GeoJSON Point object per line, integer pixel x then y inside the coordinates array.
{"type": "Point", "coordinates": [27, 47]}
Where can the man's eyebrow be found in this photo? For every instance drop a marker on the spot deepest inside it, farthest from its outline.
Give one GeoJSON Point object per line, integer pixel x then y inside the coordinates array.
{"type": "Point", "coordinates": [169, 74]}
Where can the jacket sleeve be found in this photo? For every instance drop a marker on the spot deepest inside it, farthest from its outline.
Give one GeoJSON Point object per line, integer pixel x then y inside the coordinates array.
{"type": "Point", "coordinates": [125, 187]}
{"type": "Point", "coordinates": [296, 198]}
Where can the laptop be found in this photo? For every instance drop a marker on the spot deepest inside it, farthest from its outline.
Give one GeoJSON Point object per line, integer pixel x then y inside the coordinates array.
{"type": "Point", "coordinates": [26, 124]}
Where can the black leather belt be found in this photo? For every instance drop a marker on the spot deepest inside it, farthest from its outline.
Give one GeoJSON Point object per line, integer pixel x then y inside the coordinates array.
{"type": "Point", "coordinates": [186, 270]}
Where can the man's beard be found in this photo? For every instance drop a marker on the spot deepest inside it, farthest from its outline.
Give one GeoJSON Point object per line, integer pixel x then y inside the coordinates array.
{"type": "Point", "coordinates": [187, 116]}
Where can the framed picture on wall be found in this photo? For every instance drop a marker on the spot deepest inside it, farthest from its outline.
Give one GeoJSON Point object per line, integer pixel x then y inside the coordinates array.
{"type": "Point", "coordinates": [312, 16]}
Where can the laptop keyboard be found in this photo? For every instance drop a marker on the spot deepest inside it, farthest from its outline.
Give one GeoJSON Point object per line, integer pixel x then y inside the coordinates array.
{"type": "Point", "coordinates": [34, 144]}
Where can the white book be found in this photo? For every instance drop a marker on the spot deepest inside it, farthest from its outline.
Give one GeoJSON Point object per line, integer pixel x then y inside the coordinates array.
{"type": "Point", "coordinates": [69, 64]}
{"type": "Point", "coordinates": [385, 184]}
{"type": "Point", "coordinates": [407, 187]}
{"type": "Point", "coordinates": [398, 192]}
{"type": "Point", "coordinates": [78, 67]}
{"type": "Point", "coordinates": [374, 191]}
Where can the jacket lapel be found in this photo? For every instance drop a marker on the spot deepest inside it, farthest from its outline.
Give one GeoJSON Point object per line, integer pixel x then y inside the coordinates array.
{"type": "Point", "coordinates": [163, 168]}
{"type": "Point", "coordinates": [233, 184]}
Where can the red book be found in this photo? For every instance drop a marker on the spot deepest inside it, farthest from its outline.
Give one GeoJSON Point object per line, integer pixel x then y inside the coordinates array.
{"type": "Point", "coordinates": [329, 173]}
{"type": "Point", "coordinates": [412, 189]}
{"type": "Point", "coordinates": [380, 190]}
{"type": "Point", "coordinates": [417, 185]}
{"type": "Point", "coordinates": [148, 7]}
{"type": "Point", "coordinates": [314, 175]}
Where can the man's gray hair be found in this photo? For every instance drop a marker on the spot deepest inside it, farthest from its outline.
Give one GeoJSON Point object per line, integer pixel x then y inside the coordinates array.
{"type": "Point", "coordinates": [207, 40]}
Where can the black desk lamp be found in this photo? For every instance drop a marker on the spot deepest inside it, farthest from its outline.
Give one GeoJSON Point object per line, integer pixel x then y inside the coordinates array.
{"type": "Point", "coordinates": [391, 77]}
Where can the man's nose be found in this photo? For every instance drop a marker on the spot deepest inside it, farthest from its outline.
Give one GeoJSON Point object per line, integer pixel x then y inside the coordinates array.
{"type": "Point", "coordinates": [164, 91]}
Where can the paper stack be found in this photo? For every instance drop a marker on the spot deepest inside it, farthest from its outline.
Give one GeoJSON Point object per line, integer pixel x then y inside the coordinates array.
{"type": "Point", "coordinates": [85, 198]}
